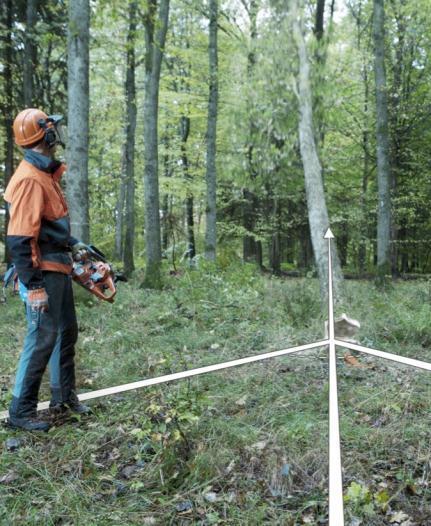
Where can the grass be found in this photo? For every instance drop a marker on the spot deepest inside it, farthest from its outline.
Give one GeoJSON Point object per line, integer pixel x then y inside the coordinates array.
{"type": "Point", "coordinates": [246, 446]}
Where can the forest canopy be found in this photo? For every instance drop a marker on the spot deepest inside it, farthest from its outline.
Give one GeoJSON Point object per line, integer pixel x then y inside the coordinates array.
{"type": "Point", "coordinates": [261, 201]}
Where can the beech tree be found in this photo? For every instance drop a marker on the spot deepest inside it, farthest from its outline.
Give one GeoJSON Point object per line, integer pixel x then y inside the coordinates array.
{"type": "Point", "coordinates": [156, 26]}
{"type": "Point", "coordinates": [316, 202]}
{"type": "Point", "coordinates": [382, 143]}
{"type": "Point", "coordinates": [78, 108]}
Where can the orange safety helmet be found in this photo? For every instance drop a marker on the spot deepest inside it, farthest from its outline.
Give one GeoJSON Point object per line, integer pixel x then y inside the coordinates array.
{"type": "Point", "coordinates": [33, 125]}
{"type": "Point", "coordinates": [27, 128]}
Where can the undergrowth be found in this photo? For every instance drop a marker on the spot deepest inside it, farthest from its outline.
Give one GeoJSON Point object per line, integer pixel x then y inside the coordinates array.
{"type": "Point", "coordinates": [242, 446]}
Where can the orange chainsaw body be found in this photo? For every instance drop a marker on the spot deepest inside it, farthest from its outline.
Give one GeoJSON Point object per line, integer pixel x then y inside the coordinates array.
{"type": "Point", "coordinates": [97, 277]}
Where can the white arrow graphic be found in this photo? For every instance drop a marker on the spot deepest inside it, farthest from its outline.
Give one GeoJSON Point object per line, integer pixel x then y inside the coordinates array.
{"type": "Point", "coordinates": [336, 511]}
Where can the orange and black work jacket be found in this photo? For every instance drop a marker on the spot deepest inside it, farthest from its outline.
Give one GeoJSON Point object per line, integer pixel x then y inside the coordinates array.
{"type": "Point", "coordinates": [38, 235]}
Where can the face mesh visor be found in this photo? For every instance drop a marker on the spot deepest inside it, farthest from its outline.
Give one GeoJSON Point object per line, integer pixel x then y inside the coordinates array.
{"type": "Point", "coordinates": [61, 132]}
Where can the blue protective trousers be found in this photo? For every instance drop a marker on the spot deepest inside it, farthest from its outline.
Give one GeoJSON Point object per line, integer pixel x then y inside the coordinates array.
{"type": "Point", "coordinates": [51, 337]}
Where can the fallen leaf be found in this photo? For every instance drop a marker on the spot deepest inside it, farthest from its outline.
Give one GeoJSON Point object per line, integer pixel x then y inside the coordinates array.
{"type": "Point", "coordinates": [211, 496]}
{"type": "Point", "coordinates": [260, 446]}
{"type": "Point", "coordinates": [9, 478]}
{"type": "Point", "coordinates": [242, 401]}
{"type": "Point", "coordinates": [399, 517]}
{"type": "Point", "coordinates": [352, 361]}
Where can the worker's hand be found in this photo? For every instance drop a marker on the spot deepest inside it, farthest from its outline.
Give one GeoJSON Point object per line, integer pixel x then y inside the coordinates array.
{"type": "Point", "coordinates": [37, 300]}
{"type": "Point", "coordinates": [80, 251]}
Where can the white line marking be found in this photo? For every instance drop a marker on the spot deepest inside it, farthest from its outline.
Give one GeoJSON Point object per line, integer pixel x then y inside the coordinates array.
{"type": "Point", "coordinates": [185, 374]}
{"type": "Point", "coordinates": [336, 510]}
{"type": "Point", "coordinates": [387, 356]}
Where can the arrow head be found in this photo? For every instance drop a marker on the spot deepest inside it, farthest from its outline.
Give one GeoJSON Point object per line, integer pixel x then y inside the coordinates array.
{"type": "Point", "coordinates": [329, 234]}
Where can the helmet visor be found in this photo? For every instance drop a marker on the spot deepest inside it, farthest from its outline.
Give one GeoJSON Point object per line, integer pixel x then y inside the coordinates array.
{"type": "Point", "coordinates": [61, 131]}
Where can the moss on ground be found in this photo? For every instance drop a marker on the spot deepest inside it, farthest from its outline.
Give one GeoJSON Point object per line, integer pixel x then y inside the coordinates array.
{"type": "Point", "coordinates": [243, 446]}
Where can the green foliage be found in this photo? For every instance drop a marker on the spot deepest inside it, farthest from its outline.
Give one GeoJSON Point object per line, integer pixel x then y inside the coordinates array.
{"type": "Point", "coordinates": [222, 441]}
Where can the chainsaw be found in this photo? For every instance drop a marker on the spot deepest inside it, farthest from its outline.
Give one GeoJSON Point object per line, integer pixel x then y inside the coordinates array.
{"type": "Point", "coordinates": [94, 273]}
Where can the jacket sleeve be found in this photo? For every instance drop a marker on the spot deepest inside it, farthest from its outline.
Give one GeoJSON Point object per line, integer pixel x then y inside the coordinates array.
{"type": "Point", "coordinates": [73, 241]}
{"type": "Point", "coordinates": [25, 216]}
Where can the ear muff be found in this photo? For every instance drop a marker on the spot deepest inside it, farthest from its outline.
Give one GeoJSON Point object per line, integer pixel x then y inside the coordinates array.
{"type": "Point", "coordinates": [50, 137]}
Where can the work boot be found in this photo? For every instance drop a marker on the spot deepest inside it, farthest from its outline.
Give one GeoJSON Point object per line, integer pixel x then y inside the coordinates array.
{"type": "Point", "coordinates": [23, 415]}
{"type": "Point", "coordinates": [57, 406]}
{"type": "Point", "coordinates": [28, 423]}
{"type": "Point", "coordinates": [76, 406]}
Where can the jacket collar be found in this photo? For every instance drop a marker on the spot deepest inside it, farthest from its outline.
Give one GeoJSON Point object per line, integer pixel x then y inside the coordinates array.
{"type": "Point", "coordinates": [45, 164]}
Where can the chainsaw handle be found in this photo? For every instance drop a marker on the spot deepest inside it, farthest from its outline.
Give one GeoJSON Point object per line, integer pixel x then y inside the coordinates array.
{"type": "Point", "coordinates": [109, 283]}
{"type": "Point", "coordinates": [97, 254]}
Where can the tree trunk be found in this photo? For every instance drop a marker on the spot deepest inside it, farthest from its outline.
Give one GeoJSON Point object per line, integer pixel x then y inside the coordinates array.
{"type": "Point", "coordinates": [362, 252]}
{"type": "Point", "coordinates": [155, 36]}
{"type": "Point", "coordinates": [165, 202]}
{"type": "Point", "coordinates": [398, 100]}
{"type": "Point", "coordinates": [248, 222]}
{"type": "Point", "coordinates": [119, 211]}
{"type": "Point", "coordinates": [316, 204]}
{"type": "Point", "coordinates": [78, 137]}
{"type": "Point", "coordinates": [7, 106]}
{"type": "Point", "coordinates": [305, 248]}
{"type": "Point", "coordinates": [320, 55]}
{"type": "Point", "coordinates": [274, 253]}
{"type": "Point", "coordinates": [211, 174]}
{"type": "Point", "coordinates": [30, 53]}
{"type": "Point", "coordinates": [130, 89]}
{"type": "Point", "coordinates": [185, 130]}
{"type": "Point", "coordinates": [382, 137]}
{"type": "Point", "coordinates": [319, 20]}
{"type": "Point", "coordinates": [251, 202]}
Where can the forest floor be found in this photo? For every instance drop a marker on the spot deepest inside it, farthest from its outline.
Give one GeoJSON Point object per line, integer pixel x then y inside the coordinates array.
{"type": "Point", "coordinates": [245, 446]}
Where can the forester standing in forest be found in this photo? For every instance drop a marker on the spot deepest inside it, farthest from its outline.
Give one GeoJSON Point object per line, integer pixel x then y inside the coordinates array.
{"type": "Point", "coordinates": [41, 248]}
